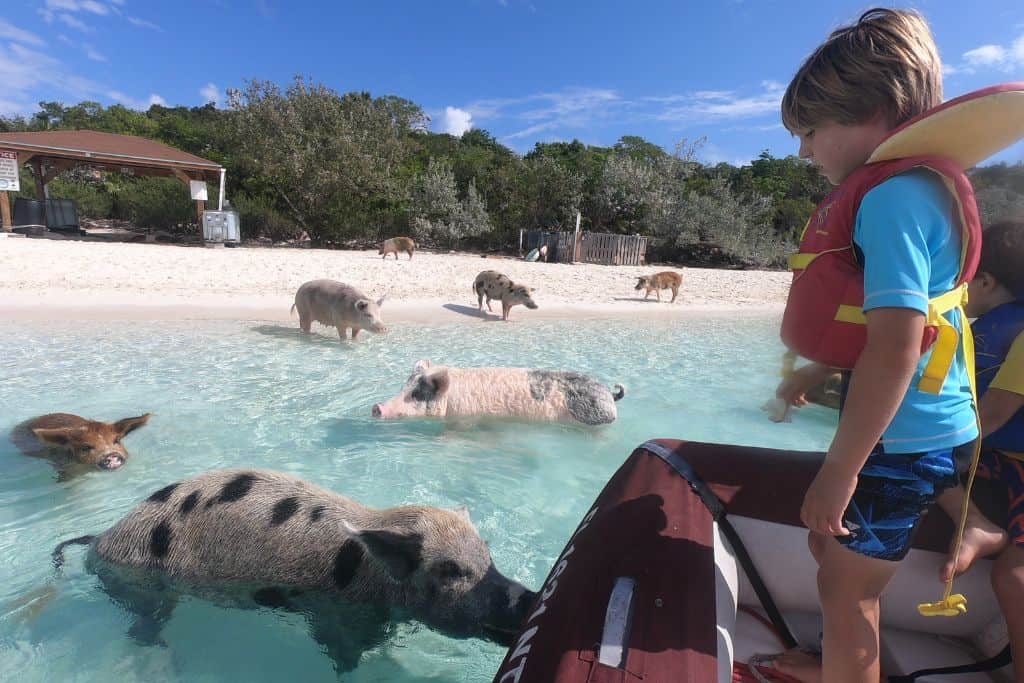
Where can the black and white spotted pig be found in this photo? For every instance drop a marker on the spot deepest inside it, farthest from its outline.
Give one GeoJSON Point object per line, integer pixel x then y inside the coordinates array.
{"type": "Point", "coordinates": [494, 285]}
{"type": "Point", "coordinates": [250, 538]}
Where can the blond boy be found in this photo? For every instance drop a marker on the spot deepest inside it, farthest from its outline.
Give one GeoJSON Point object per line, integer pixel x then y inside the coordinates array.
{"type": "Point", "coordinates": [897, 446]}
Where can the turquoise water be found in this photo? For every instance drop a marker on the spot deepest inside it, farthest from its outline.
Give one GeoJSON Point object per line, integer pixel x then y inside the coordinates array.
{"type": "Point", "coordinates": [237, 394]}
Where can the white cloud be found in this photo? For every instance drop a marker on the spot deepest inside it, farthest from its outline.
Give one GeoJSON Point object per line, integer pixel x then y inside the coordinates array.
{"type": "Point", "coordinates": [142, 23]}
{"type": "Point", "coordinates": [456, 121]}
{"type": "Point", "coordinates": [133, 103]}
{"type": "Point", "coordinates": [986, 55]}
{"type": "Point", "coordinates": [74, 22]}
{"type": "Point", "coordinates": [532, 130]}
{"type": "Point", "coordinates": [12, 32]}
{"type": "Point", "coordinates": [211, 93]}
{"type": "Point", "coordinates": [92, 54]}
{"type": "Point", "coordinates": [78, 6]}
{"type": "Point", "coordinates": [706, 106]}
{"type": "Point", "coordinates": [1001, 58]}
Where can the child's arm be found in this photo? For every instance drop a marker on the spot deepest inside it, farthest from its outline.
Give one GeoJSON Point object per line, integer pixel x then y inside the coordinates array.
{"type": "Point", "coordinates": [878, 384]}
{"type": "Point", "coordinates": [997, 406]}
{"type": "Point", "coordinates": [800, 381]}
{"type": "Point", "coordinates": [1005, 395]}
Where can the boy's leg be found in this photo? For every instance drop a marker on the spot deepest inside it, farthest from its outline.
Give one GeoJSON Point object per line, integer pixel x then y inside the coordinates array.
{"type": "Point", "coordinates": [981, 537]}
{"type": "Point", "coordinates": [849, 585]}
{"type": "Point", "coordinates": [1008, 582]}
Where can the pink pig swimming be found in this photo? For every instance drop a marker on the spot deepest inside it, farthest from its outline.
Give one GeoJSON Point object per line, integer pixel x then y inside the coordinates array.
{"type": "Point", "coordinates": [439, 391]}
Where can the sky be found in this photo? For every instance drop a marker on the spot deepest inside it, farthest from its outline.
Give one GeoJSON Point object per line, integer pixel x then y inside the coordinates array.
{"type": "Point", "coordinates": [525, 71]}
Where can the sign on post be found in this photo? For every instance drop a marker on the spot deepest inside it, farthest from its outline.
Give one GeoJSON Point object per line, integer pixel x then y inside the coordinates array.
{"type": "Point", "coordinates": [198, 190]}
{"type": "Point", "coordinates": [10, 181]}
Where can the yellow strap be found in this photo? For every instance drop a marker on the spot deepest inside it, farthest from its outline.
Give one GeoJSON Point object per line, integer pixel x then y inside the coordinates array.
{"type": "Point", "coordinates": [946, 341]}
{"type": "Point", "coordinates": [944, 350]}
{"type": "Point", "coordinates": [800, 260]}
{"type": "Point", "coordinates": [952, 604]}
{"type": "Point", "coordinates": [851, 314]}
{"type": "Point", "coordinates": [788, 364]}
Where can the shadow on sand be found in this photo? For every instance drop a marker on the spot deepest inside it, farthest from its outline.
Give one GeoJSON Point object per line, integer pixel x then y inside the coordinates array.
{"type": "Point", "coordinates": [472, 312]}
{"type": "Point", "coordinates": [640, 299]}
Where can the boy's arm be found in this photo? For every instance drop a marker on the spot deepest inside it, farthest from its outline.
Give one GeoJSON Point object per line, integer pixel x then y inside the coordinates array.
{"type": "Point", "coordinates": [877, 386]}
{"type": "Point", "coordinates": [1005, 395]}
{"type": "Point", "coordinates": [997, 406]}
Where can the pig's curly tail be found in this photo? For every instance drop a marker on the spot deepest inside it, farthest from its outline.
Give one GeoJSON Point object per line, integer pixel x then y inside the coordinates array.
{"type": "Point", "coordinates": [58, 552]}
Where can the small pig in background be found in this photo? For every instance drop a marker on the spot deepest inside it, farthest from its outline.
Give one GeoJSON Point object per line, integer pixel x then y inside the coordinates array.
{"type": "Point", "coordinates": [75, 444]}
{"type": "Point", "coordinates": [337, 305]}
{"type": "Point", "coordinates": [249, 538]}
{"type": "Point", "coordinates": [666, 279]}
{"type": "Point", "coordinates": [494, 285]}
{"type": "Point", "coordinates": [551, 396]}
{"type": "Point", "coordinates": [396, 245]}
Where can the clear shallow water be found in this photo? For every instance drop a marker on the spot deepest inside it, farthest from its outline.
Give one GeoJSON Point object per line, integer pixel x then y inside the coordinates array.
{"type": "Point", "coordinates": [238, 394]}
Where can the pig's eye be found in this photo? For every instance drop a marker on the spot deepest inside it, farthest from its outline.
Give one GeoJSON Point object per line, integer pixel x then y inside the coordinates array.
{"type": "Point", "coordinates": [117, 440]}
{"type": "Point", "coordinates": [85, 448]}
{"type": "Point", "coordinates": [449, 571]}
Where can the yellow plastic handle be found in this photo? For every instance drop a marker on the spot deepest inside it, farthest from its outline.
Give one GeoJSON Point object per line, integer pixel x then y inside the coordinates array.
{"type": "Point", "coordinates": [953, 606]}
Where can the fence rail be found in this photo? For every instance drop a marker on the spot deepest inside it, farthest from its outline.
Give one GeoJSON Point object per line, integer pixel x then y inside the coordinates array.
{"type": "Point", "coordinates": [592, 247]}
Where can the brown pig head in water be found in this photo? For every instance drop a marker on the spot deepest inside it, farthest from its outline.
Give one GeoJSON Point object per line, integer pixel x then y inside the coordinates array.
{"type": "Point", "coordinates": [88, 442]}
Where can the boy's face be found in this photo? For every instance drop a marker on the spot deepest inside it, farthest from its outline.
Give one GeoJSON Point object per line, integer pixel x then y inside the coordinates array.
{"type": "Point", "coordinates": [838, 149]}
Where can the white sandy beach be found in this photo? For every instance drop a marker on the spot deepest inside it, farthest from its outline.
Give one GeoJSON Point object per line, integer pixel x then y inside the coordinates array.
{"type": "Point", "coordinates": [63, 279]}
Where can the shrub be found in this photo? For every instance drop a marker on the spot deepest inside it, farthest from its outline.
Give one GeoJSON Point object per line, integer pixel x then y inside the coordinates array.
{"type": "Point", "coordinates": [260, 218]}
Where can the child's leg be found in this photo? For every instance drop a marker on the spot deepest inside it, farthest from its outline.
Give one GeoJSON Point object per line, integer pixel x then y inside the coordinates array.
{"type": "Point", "coordinates": [849, 585]}
{"type": "Point", "coordinates": [981, 537]}
{"type": "Point", "coordinates": [1008, 582]}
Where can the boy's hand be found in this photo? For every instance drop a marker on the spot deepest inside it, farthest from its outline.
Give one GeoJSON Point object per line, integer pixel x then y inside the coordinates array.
{"type": "Point", "coordinates": [792, 389]}
{"type": "Point", "coordinates": [826, 500]}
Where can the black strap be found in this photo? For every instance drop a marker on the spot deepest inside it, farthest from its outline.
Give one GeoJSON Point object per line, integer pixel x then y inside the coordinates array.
{"type": "Point", "coordinates": [717, 509]}
{"type": "Point", "coordinates": [990, 664]}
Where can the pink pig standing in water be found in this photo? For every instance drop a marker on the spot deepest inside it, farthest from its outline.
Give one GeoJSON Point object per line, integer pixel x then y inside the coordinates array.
{"type": "Point", "coordinates": [339, 305]}
{"type": "Point", "coordinates": [438, 391]}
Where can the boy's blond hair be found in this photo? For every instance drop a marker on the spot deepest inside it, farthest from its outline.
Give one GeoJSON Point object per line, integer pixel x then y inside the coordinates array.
{"type": "Point", "coordinates": [885, 63]}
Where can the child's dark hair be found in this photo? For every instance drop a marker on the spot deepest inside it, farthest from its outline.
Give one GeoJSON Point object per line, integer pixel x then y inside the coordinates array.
{"type": "Point", "coordinates": [1002, 255]}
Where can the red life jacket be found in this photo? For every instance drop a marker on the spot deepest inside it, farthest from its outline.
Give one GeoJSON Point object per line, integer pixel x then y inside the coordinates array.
{"type": "Point", "coordinates": [824, 319]}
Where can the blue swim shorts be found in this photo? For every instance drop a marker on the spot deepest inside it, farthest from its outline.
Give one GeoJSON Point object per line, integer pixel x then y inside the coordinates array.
{"type": "Point", "coordinates": [893, 492]}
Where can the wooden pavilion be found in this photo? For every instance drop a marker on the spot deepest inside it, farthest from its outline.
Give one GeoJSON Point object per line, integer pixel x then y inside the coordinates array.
{"type": "Point", "coordinates": [49, 153]}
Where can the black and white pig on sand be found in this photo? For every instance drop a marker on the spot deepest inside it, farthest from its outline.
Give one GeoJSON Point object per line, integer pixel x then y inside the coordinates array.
{"type": "Point", "coordinates": [251, 538]}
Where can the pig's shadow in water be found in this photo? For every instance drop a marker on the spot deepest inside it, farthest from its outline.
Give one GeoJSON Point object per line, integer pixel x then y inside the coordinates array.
{"type": "Point", "coordinates": [472, 312]}
{"type": "Point", "coordinates": [344, 430]}
{"type": "Point", "coordinates": [282, 332]}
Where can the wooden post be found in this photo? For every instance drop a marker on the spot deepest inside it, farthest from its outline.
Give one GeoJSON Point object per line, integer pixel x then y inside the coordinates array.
{"type": "Point", "coordinates": [200, 207]}
{"type": "Point", "coordinates": [37, 171]}
{"type": "Point", "coordinates": [5, 212]}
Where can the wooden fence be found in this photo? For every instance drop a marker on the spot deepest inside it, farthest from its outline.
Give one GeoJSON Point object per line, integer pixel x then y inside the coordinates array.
{"type": "Point", "coordinates": [592, 247]}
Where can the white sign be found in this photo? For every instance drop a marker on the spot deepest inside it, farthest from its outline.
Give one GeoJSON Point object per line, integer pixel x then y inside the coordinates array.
{"type": "Point", "coordinates": [198, 189]}
{"type": "Point", "coordinates": [9, 179]}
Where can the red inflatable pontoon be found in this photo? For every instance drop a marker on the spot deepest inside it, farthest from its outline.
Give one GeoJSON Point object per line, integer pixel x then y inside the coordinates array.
{"type": "Point", "coordinates": [654, 583]}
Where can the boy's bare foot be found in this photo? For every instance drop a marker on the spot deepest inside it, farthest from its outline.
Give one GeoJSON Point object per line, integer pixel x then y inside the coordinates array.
{"type": "Point", "coordinates": [799, 664]}
{"type": "Point", "coordinates": [981, 539]}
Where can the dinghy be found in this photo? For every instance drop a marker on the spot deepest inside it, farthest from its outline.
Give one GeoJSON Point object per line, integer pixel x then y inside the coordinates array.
{"type": "Point", "coordinates": [693, 559]}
